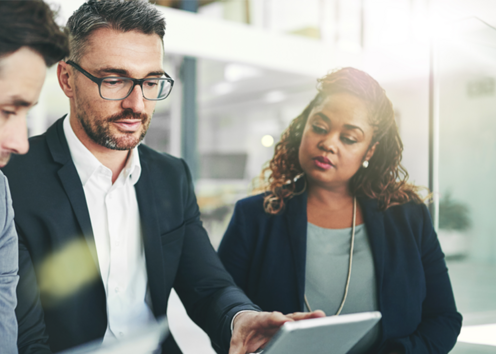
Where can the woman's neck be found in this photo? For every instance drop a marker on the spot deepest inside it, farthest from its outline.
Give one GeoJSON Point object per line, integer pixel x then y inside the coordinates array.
{"type": "Point", "coordinates": [334, 198]}
{"type": "Point", "coordinates": [331, 208]}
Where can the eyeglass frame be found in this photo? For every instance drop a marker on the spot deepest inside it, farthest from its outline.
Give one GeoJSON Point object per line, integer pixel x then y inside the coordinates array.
{"type": "Point", "coordinates": [98, 81]}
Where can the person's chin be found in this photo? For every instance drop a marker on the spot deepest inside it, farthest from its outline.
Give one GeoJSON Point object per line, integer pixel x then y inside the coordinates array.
{"type": "Point", "coordinates": [319, 176]}
{"type": "Point", "coordinates": [127, 141]}
{"type": "Point", "coordinates": [4, 159]}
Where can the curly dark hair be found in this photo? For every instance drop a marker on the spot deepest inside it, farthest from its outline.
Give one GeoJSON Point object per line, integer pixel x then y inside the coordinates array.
{"type": "Point", "coordinates": [31, 24]}
{"type": "Point", "coordinates": [384, 180]}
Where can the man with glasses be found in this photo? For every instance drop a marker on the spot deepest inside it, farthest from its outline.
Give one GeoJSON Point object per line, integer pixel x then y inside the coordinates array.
{"type": "Point", "coordinates": [30, 40]}
{"type": "Point", "coordinates": [119, 88]}
{"type": "Point", "coordinates": [108, 226]}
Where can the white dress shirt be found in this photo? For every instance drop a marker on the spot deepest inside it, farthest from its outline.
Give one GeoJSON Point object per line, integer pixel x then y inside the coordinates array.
{"type": "Point", "coordinates": [115, 220]}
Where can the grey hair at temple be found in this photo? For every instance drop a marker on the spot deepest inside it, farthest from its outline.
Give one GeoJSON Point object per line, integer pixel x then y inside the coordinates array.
{"type": "Point", "coordinates": [121, 15]}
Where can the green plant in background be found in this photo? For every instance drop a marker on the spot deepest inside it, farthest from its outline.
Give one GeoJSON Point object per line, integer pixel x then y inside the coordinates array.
{"type": "Point", "coordinates": [453, 215]}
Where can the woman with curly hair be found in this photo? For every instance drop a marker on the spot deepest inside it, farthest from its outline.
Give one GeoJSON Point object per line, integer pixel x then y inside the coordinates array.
{"type": "Point", "coordinates": [340, 229]}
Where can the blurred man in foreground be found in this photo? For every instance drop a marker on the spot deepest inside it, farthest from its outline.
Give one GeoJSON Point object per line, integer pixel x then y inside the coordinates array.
{"type": "Point", "coordinates": [30, 41]}
{"type": "Point", "coordinates": [108, 226]}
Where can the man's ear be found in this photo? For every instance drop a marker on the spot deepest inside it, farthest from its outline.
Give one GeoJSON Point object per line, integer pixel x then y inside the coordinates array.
{"type": "Point", "coordinates": [66, 78]}
{"type": "Point", "coordinates": [370, 152]}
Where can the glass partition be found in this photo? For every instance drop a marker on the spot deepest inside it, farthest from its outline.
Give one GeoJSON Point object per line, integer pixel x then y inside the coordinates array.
{"type": "Point", "coordinates": [465, 110]}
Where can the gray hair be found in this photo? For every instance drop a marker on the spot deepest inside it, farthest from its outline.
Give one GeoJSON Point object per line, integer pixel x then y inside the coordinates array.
{"type": "Point", "coordinates": [121, 15]}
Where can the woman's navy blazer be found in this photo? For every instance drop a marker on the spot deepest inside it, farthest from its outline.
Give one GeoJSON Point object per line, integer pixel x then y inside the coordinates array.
{"type": "Point", "coordinates": [266, 254]}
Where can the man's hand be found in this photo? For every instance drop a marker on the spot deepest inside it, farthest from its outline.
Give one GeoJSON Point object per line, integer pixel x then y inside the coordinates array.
{"type": "Point", "coordinates": [252, 330]}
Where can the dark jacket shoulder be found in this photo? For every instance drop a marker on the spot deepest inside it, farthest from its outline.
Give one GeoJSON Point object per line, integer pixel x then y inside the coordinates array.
{"type": "Point", "coordinates": [161, 158]}
{"type": "Point", "coordinates": [411, 215]}
{"type": "Point", "coordinates": [252, 203]}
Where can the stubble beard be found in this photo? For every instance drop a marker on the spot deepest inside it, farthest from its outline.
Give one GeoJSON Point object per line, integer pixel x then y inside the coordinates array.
{"type": "Point", "coordinates": [98, 130]}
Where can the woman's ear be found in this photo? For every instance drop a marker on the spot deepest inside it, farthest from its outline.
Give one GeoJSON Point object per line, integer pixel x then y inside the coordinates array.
{"type": "Point", "coordinates": [66, 79]}
{"type": "Point", "coordinates": [370, 152]}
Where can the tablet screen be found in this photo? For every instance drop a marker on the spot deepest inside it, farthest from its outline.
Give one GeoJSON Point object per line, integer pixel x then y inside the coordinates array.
{"type": "Point", "coordinates": [321, 335]}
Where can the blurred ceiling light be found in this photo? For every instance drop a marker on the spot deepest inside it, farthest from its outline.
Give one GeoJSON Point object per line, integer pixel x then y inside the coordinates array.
{"type": "Point", "coordinates": [349, 46]}
{"type": "Point", "coordinates": [425, 29]}
{"type": "Point", "coordinates": [275, 96]}
{"type": "Point", "coordinates": [222, 88]}
{"type": "Point", "coordinates": [267, 140]}
{"type": "Point", "coordinates": [237, 72]}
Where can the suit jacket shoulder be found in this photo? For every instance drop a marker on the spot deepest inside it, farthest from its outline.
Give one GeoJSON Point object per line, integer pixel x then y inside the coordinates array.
{"type": "Point", "coordinates": [8, 270]}
{"type": "Point", "coordinates": [161, 160]}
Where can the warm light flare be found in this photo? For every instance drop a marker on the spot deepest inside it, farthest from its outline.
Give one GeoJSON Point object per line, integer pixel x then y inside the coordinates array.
{"type": "Point", "coordinates": [67, 271]}
{"type": "Point", "coordinates": [267, 140]}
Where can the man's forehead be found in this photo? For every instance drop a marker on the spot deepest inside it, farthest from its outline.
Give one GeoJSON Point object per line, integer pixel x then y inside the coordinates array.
{"type": "Point", "coordinates": [22, 74]}
{"type": "Point", "coordinates": [15, 100]}
{"type": "Point", "coordinates": [106, 42]}
{"type": "Point", "coordinates": [3, 60]}
{"type": "Point", "coordinates": [133, 53]}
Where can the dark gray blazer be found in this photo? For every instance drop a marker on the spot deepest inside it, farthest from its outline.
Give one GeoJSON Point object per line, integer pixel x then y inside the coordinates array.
{"type": "Point", "coordinates": [61, 296]}
{"type": "Point", "coordinates": [8, 271]}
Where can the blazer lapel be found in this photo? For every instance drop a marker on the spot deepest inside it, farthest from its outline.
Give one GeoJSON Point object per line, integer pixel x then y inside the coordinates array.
{"type": "Point", "coordinates": [374, 222]}
{"type": "Point", "coordinates": [71, 182]}
{"type": "Point", "coordinates": [151, 238]}
{"type": "Point", "coordinates": [296, 221]}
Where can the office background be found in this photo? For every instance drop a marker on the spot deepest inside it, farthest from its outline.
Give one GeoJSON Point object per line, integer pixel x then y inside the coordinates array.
{"type": "Point", "coordinates": [245, 68]}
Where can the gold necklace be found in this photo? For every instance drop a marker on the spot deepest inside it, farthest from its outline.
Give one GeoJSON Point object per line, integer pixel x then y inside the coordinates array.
{"type": "Point", "coordinates": [352, 245]}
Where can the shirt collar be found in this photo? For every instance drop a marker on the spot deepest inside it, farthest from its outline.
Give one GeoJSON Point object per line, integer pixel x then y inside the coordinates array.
{"type": "Point", "coordinates": [132, 169]}
{"type": "Point", "coordinates": [87, 164]}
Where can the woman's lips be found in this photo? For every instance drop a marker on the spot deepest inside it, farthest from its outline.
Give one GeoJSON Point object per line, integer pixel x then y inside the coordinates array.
{"type": "Point", "coordinates": [323, 162]}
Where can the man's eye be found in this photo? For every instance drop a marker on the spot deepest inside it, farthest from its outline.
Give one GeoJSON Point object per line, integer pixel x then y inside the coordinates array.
{"type": "Point", "coordinates": [318, 130]}
{"type": "Point", "coordinates": [113, 82]}
{"type": "Point", "coordinates": [151, 83]}
{"type": "Point", "coordinates": [7, 113]}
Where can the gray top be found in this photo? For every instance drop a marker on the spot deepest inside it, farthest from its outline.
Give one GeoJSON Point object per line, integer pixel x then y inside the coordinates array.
{"type": "Point", "coordinates": [328, 252]}
{"type": "Point", "coordinates": [8, 271]}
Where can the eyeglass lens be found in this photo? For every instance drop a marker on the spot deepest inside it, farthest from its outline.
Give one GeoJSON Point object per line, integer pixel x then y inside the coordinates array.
{"type": "Point", "coordinates": [119, 88]}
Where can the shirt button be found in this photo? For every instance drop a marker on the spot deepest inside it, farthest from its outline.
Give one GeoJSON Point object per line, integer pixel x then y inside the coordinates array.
{"type": "Point", "coordinates": [117, 291]}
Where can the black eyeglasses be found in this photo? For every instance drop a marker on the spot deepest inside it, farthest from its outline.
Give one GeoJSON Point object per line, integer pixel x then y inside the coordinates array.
{"type": "Point", "coordinates": [118, 88]}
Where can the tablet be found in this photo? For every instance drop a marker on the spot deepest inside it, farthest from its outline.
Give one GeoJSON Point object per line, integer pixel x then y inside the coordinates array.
{"type": "Point", "coordinates": [320, 335]}
{"type": "Point", "coordinates": [143, 341]}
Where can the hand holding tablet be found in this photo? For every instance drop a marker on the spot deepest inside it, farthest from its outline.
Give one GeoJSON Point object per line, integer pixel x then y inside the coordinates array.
{"type": "Point", "coordinates": [252, 330]}
{"type": "Point", "coordinates": [318, 335]}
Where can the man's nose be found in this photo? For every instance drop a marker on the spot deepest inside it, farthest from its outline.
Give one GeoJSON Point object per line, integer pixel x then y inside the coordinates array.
{"type": "Point", "coordinates": [135, 101]}
{"type": "Point", "coordinates": [15, 135]}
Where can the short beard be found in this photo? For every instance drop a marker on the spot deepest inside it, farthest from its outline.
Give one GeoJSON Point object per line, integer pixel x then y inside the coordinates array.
{"type": "Point", "coordinates": [99, 130]}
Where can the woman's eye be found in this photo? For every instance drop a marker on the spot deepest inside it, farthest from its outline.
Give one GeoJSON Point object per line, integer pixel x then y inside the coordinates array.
{"type": "Point", "coordinates": [318, 129]}
{"type": "Point", "coordinates": [347, 140]}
